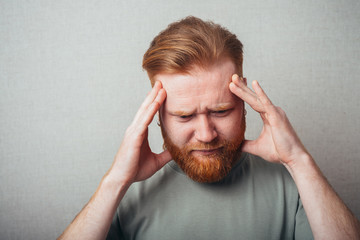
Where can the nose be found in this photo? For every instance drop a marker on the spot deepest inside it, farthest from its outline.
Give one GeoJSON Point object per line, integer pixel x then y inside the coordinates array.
{"type": "Point", "coordinates": [205, 129]}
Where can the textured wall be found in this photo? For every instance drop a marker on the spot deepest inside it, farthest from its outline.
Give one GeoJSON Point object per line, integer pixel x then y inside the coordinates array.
{"type": "Point", "coordinates": [71, 81]}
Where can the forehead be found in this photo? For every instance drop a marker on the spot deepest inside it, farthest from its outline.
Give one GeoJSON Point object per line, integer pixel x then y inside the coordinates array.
{"type": "Point", "coordinates": [200, 88]}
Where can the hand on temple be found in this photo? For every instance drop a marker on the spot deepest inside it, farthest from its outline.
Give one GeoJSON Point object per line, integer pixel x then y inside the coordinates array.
{"type": "Point", "coordinates": [278, 141]}
{"type": "Point", "coordinates": [135, 161]}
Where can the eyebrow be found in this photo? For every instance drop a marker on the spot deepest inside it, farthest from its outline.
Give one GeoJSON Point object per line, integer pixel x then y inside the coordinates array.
{"type": "Point", "coordinates": [181, 113]}
{"type": "Point", "coordinates": [223, 106]}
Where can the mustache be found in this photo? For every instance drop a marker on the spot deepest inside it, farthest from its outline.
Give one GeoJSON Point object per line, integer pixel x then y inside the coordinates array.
{"type": "Point", "coordinates": [215, 144]}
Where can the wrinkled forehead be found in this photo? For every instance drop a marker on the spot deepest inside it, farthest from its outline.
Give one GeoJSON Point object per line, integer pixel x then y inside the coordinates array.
{"type": "Point", "coordinates": [223, 69]}
{"type": "Point", "coordinates": [208, 86]}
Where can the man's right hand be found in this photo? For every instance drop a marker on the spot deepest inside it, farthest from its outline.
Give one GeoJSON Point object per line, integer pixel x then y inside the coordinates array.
{"type": "Point", "coordinates": [134, 160]}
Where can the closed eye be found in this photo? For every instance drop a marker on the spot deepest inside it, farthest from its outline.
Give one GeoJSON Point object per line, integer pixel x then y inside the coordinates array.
{"type": "Point", "coordinates": [221, 113]}
{"type": "Point", "coordinates": [185, 116]}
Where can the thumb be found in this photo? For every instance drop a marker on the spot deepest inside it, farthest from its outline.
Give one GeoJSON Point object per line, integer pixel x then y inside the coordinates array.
{"type": "Point", "coordinates": [163, 158]}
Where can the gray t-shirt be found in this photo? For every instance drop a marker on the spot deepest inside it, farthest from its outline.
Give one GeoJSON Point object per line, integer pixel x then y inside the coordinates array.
{"type": "Point", "coordinates": [257, 200]}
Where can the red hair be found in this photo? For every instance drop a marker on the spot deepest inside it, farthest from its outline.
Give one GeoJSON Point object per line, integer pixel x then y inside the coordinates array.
{"type": "Point", "coordinates": [191, 42]}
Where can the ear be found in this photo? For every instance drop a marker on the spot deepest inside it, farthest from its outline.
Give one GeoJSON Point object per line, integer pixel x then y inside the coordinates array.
{"type": "Point", "coordinates": [245, 80]}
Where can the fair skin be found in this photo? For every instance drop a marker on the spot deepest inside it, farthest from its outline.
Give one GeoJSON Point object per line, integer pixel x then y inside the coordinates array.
{"type": "Point", "coordinates": [202, 110]}
{"type": "Point", "coordinates": [200, 107]}
{"type": "Point", "coordinates": [133, 162]}
{"type": "Point", "coordinates": [278, 142]}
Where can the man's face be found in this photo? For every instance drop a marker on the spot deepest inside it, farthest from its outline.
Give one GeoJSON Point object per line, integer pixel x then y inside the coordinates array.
{"type": "Point", "coordinates": [202, 122]}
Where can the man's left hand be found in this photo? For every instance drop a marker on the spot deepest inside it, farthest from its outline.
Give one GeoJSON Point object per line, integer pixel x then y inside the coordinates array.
{"type": "Point", "coordinates": [278, 141]}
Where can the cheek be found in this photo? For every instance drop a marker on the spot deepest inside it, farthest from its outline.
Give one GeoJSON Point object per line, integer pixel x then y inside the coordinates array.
{"type": "Point", "coordinates": [179, 133]}
{"type": "Point", "coordinates": [229, 128]}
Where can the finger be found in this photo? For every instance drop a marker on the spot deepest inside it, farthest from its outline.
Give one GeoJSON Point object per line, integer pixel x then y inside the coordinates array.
{"type": "Point", "coordinates": [148, 115]}
{"type": "Point", "coordinates": [242, 83]}
{"type": "Point", "coordinates": [264, 99]}
{"type": "Point", "coordinates": [153, 108]}
{"type": "Point", "coordinates": [160, 98]}
{"type": "Point", "coordinates": [152, 95]}
{"type": "Point", "coordinates": [239, 88]}
{"type": "Point", "coordinates": [272, 113]}
{"type": "Point", "coordinates": [148, 100]}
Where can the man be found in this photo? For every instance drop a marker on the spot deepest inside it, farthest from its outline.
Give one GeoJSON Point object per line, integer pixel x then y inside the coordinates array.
{"type": "Point", "coordinates": [219, 186]}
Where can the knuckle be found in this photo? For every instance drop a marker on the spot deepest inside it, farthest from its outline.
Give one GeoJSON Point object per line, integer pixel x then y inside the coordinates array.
{"type": "Point", "coordinates": [156, 105]}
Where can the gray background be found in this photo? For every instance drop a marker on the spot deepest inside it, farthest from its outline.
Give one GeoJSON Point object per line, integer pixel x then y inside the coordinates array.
{"type": "Point", "coordinates": [71, 82]}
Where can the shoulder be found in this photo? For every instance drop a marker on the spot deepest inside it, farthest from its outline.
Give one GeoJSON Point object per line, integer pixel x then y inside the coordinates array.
{"type": "Point", "coordinates": [266, 176]}
{"type": "Point", "coordinates": [151, 189]}
{"type": "Point", "coordinates": [257, 165]}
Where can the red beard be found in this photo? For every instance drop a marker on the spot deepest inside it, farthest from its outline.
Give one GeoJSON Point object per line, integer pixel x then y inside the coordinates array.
{"type": "Point", "coordinates": [209, 168]}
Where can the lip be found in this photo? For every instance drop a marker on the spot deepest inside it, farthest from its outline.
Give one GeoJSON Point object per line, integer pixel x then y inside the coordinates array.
{"type": "Point", "coordinates": [206, 152]}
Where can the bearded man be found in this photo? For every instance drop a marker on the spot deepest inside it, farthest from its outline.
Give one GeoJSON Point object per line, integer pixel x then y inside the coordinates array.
{"type": "Point", "coordinates": [219, 185]}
